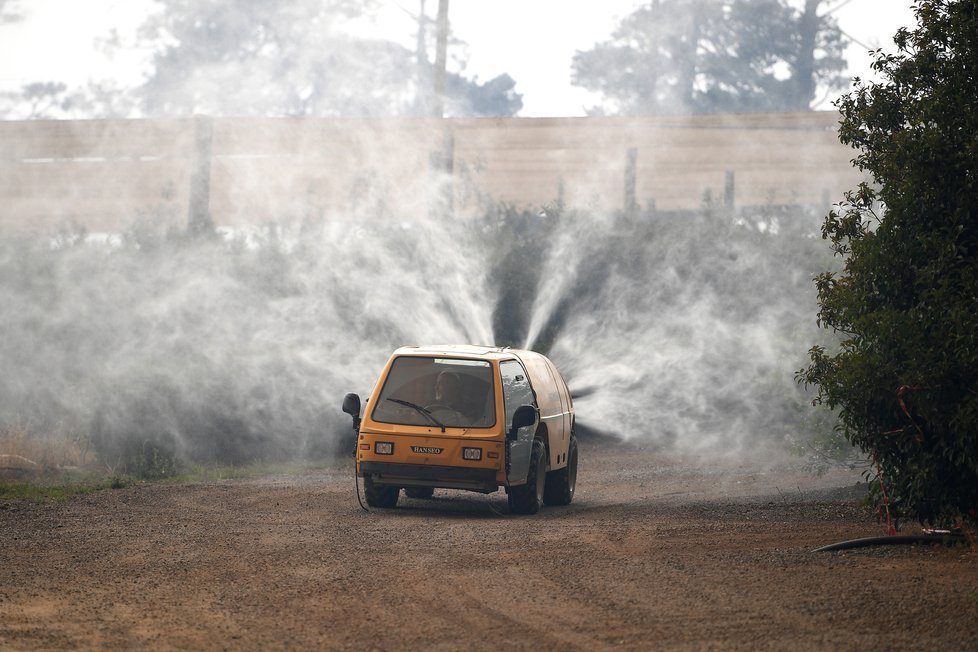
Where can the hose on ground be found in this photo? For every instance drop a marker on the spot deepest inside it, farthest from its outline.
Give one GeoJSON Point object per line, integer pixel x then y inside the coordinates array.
{"type": "Point", "coordinates": [356, 483]}
{"type": "Point", "coordinates": [909, 539]}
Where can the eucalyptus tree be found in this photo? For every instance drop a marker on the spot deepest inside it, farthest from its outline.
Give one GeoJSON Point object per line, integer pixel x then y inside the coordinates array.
{"type": "Point", "coordinates": [708, 56]}
{"type": "Point", "coordinates": [294, 58]}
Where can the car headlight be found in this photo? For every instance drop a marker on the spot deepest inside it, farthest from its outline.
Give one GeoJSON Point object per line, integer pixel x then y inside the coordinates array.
{"type": "Point", "coordinates": [471, 453]}
{"type": "Point", "coordinates": [384, 448]}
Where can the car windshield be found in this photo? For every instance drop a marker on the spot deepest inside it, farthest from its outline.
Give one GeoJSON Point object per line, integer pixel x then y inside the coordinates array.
{"type": "Point", "coordinates": [439, 392]}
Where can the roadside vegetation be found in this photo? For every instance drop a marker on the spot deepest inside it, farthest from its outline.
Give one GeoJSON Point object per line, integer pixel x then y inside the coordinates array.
{"type": "Point", "coordinates": [54, 468]}
{"type": "Point", "coordinates": [60, 488]}
{"type": "Point", "coordinates": [904, 377]}
{"type": "Point", "coordinates": [59, 485]}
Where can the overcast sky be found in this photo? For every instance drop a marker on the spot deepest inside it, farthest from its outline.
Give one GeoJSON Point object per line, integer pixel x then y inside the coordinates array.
{"type": "Point", "coordinates": [532, 40]}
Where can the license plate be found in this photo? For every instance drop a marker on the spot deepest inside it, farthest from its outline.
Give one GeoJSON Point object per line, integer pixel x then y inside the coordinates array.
{"type": "Point", "coordinates": [427, 450]}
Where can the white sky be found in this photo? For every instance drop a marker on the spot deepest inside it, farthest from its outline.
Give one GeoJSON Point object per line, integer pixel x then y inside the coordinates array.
{"type": "Point", "coordinates": [532, 40]}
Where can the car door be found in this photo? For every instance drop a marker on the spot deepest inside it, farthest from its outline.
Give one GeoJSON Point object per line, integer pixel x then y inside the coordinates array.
{"type": "Point", "coordinates": [516, 392]}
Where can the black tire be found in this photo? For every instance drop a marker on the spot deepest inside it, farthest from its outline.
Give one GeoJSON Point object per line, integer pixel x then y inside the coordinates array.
{"type": "Point", "coordinates": [379, 496]}
{"type": "Point", "coordinates": [527, 498]}
{"type": "Point", "coordinates": [562, 482]}
{"type": "Point", "coordinates": [419, 492]}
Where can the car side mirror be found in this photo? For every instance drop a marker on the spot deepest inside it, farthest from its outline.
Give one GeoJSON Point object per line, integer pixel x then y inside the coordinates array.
{"type": "Point", "coordinates": [525, 415]}
{"type": "Point", "coordinates": [351, 405]}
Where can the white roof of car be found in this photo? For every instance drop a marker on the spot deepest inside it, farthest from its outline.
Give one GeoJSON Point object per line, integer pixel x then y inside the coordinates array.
{"type": "Point", "coordinates": [459, 350]}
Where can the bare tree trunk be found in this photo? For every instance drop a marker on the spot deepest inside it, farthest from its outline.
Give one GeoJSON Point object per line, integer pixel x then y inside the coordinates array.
{"type": "Point", "coordinates": [804, 68]}
{"type": "Point", "coordinates": [423, 102]}
{"type": "Point", "coordinates": [441, 60]}
{"type": "Point", "coordinates": [687, 61]}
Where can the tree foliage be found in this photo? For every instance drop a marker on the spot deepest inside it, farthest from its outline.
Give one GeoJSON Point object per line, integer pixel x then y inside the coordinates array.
{"type": "Point", "coordinates": [905, 376]}
{"type": "Point", "coordinates": [294, 58]}
{"type": "Point", "coordinates": [711, 56]}
{"type": "Point", "coordinates": [257, 58]}
{"type": "Point", "coordinates": [248, 57]}
{"type": "Point", "coordinates": [9, 11]}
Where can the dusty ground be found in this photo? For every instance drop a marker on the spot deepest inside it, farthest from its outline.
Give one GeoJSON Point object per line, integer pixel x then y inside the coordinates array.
{"type": "Point", "coordinates": [655, 553]}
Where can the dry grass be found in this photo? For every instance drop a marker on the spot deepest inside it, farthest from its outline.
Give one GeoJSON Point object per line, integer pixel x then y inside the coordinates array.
{"type": "Point", "coordinates": [60, 449]}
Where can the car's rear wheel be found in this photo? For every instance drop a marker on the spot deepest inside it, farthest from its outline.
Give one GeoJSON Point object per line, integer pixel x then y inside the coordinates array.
{"type": "Point", "coordinates": [527, 498]}
{"type": "Point", "coordinates": [419, 492]}
{"type": "Point", "coordinates": [379, 495]}
{"type": "Point", "coordinates": [562, 482]}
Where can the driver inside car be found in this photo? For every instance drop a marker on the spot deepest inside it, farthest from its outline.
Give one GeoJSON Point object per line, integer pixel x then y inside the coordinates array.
{"type": "Point", "coordinates": [447, 392]}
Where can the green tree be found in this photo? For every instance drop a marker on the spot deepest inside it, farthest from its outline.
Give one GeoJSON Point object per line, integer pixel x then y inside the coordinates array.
{"type": "Point", "coordinates": [255, 58]}
{"type": "Point", "coordinates": [9, 11]}
{"type": "Point", "coordinates": [494, 98]}
{"type": "Point", "coordinates": [295, 58]}
{"type": "Point", "coordinates": [905, 376]}
{"type": "Point", "coordinates": [709, 56]}
{"type": "Point", "coordinates": [461, 96]}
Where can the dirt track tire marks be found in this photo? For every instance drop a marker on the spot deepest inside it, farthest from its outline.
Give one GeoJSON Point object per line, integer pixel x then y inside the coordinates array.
{"type": "Point", "coordinates": [654, 552]}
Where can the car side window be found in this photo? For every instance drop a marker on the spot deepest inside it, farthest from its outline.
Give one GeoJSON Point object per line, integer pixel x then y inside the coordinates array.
{"type": "Point", "coordinates": [516, 388]}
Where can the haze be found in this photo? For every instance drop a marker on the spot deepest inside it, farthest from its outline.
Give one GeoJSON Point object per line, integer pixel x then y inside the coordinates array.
{"type": "Point", "coordinates": [678, 327]}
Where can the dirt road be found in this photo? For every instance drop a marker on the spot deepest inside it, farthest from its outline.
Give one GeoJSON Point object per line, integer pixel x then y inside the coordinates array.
{"type": "Point", "coordinates": [657, 552]}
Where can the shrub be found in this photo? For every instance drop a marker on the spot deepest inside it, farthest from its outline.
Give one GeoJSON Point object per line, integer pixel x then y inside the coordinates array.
{"type": "Point", "coordinates": [905, 376]}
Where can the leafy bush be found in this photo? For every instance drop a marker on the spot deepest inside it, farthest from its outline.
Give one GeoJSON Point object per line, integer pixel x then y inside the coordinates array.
{"type": "Point", "coordinates": [905, 377]}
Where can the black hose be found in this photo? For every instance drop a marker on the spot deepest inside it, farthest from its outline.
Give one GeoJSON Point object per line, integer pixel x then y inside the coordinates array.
{"type": "Point", "coordinates": [909, 539]}
{"type": "Point", "coordinates": [356, 483]}
{"type": "Point", "coordinates": [356, 437]}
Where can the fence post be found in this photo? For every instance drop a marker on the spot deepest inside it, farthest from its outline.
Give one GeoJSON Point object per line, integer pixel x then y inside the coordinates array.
{"type": "Point", "coordinates": [728, 190]}
{"type": "Point", "coordinates": [631, 165]}
{"type": "Point", "coordinates": [449, 146]}
{"type": "Point", "coordinates": [442, 167]}
{"type": "Point", "coordinates": [199, 217]}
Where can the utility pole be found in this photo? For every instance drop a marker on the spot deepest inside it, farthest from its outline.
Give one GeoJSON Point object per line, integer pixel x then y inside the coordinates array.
{"type": "Point", "coordinates": [423, 107]}
{"type": "Point", "coordinates": [441, 61]}
{"type": "Point", "coordinates": [443, 159]}
{"type": "Point", "coordinates": [199, 221]}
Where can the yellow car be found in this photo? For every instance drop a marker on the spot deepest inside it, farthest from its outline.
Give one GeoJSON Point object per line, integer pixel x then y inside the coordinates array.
{"type": "Point", "coordinates": [467, 417]}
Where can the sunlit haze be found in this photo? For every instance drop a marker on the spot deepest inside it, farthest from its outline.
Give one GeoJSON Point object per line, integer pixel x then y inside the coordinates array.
{"type": "Point", "coordinates": [215, 284]}
{"type": "Point", "coordinates": [58, 40]}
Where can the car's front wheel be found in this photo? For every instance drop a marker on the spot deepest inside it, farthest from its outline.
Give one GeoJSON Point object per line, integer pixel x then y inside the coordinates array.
{"type": "Point", "coordinates": [527, 498]}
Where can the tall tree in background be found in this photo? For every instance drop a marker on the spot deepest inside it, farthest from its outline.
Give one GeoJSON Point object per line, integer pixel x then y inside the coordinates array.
{"type": "Point", "coordinates": [9, 11]}
{"type": "Point", "coordinates": [459, 95]}
{"type": "Point", "coordinates": [288, 58]}
{"type": "Point", "coordinates": [905, 376]}
{"type": "Point", "coordinates": [250, 57]}
{"type": "Point", "coordinates": [709, 56]}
